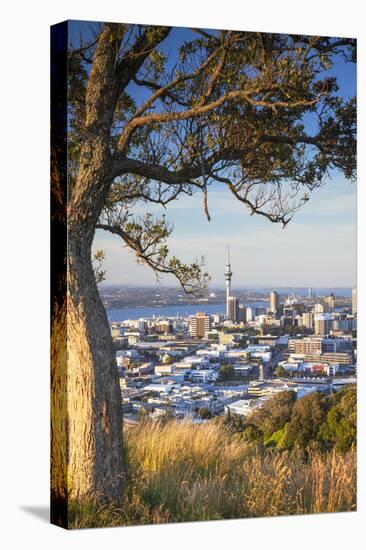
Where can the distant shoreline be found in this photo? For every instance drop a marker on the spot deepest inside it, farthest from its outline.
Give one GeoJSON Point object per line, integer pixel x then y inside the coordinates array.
{"type": "Point", "coordinates": [123, 314]}
{"type": "Point", "coordinates": [180, 305]}
{"type": "Point", "coordinates": [281, 289]}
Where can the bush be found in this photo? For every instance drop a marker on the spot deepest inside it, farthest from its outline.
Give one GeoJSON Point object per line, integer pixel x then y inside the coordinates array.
{"type": "Point", "coordinates": [274, 413]}
{"type": "Point", "coordinates": [339, 429]}
{"type": "Point", "coordinates": [306, 418]}
{"type": "Point", "coordinates": [204, 413]}
{"type": "Point", "coordinates": [226, 372]}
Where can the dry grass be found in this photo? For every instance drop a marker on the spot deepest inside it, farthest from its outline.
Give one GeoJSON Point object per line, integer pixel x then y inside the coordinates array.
{"type": "Point", "coordinates": [187, 472]}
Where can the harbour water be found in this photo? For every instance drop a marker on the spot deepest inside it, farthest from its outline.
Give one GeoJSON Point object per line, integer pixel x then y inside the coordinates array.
{"type": "Point", "coordinates": [117, 315]}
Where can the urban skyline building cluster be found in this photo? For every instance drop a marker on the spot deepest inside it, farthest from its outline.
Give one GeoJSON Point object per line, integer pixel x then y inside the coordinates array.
{"type": "Point", "coordinates": [312, 313]}
{"type": "Point", "coordinates": [211, 364]}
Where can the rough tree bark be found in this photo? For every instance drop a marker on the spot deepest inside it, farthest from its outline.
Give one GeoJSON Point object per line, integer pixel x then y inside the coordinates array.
{"type": "Point", "coordinates": [95, 460]}
{"type": "Point", "coordinates": [86, 430]}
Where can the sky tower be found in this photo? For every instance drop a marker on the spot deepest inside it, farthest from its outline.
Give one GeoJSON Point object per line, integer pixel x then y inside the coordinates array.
{"type": "Point", "coordinates": [228, 274]}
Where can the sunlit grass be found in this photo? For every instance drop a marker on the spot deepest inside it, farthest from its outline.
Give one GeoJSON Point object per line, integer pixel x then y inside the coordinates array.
{"type": "Point", "coordinates": [188, 472]}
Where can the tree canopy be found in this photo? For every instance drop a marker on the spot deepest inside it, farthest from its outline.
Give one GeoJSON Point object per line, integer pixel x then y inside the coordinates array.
{"type": "Point", "coordinates": [324, 421]}
{"type": "Point", "coordinates": [227, 372]}
{"type": "Point", "coordinates": [339, 429]}
{"type": "Point", "coordinates": [274, 413]}
{"type": "Point", "coordinates": [223, 108]}
{"type": "Point", "coordinates": [307, 416]}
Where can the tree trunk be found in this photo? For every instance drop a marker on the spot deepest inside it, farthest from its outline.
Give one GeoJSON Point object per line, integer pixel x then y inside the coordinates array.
{"type": "Point", "coordinates": [86, 430]}
{"type": "Point", "coordinates": [87, 457]}
{"type": "Point", "coordinates": [95, 460]}
{"type": "Point", "coordinates": [86, 405]}
{"type": "Point", "coordinates": [85, 388]}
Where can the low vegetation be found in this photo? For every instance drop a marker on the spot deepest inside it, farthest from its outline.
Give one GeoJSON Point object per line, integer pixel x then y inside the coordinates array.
{"type": "Point", "coordinates": [275, 464]}
{"type": "Point", "coordinates": [319, 422]}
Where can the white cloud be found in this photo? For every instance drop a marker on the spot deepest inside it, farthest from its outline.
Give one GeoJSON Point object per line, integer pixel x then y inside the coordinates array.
{"type": "Point", "coordinates": [317, 248]}
{"type": "Point", "coordinates": [298, 255]}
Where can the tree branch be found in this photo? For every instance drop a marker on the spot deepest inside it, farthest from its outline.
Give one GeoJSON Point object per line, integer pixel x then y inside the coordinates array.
{"type": "Point", "coordinates": [163, 90]}
{"type": "Point", "coordinates": [123, 165]}
{"type": "Point", "coordinates": [158, 118]}
{"type": "Point", "coordinates": [147, 238]}
{"type": "Point", "coordinates": [130, 63]}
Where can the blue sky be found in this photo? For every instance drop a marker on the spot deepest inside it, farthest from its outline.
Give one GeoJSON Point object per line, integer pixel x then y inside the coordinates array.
{"type": "Point", "coordinates": [317, 248]}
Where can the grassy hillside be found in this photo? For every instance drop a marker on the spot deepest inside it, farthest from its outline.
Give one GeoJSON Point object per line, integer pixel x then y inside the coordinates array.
{"type": "Point", "coordinates": [180, 471]}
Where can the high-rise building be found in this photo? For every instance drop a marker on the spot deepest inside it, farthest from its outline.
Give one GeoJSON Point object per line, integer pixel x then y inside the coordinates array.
{"type": "Point", "coordinates": [318, 308]}
{"type": "Point", "coordinates": [250, 314]}
{"type": "Point", "coordinates": [228, 274]}
{"type": "Point", "coordinates": [232, 308]}
{"type": "Point", "coordinates": [199, 325]}
{"type": "Point", "coordinates": [323, 323]}
{"type": "Point", "coordinates": [354, 301]}
{"type": "Point", "coordinates": [163, 326]}
{"type": "Point", "coordinates": [308, 319]}
{"type": "Point", "coordinates": [217, 318]}
{"type": "Point", "coordinates": [330, 303]}
{"type": "Point", "coordinates": [274, 302]}
{"type": "Point", "coordinates": [242, 313]}
{"type": "Point", "coordinates": [344, 325]}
